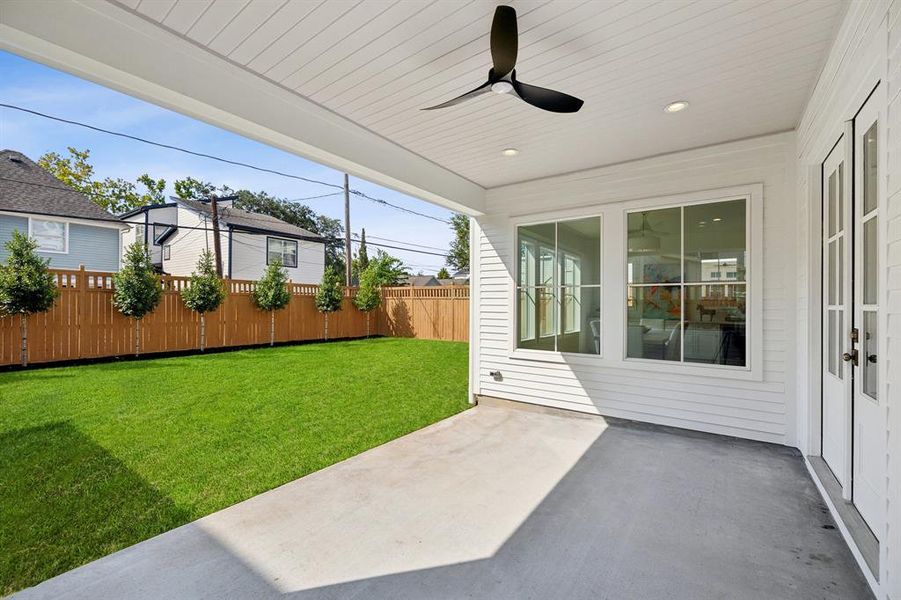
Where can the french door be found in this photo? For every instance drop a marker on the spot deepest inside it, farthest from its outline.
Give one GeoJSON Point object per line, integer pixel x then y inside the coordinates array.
{"type": "Point", "coordinates": [854, 416]}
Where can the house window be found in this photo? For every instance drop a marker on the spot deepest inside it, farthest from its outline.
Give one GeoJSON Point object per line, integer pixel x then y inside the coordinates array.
{"type": "Point", "coordinates": [51, 236]}
{"type": "Point", "coordinates": [558, 286]}
{"type": "Point", "coordinates": [167, 251]}
{"type": "Point", "coordinates": [281, 250]}
{"type": "Point", "coordinates": [140, 234]}
{"type": "Point", "coordinates": [678, 309]}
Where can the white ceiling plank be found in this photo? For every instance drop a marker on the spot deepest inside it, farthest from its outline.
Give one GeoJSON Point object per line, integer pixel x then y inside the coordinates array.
{"type": "Point", "coordinates": [746, 66]}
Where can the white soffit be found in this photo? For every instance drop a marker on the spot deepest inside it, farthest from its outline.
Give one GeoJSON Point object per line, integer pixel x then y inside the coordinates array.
{"type": "Point", "coordinates": [746, 67]}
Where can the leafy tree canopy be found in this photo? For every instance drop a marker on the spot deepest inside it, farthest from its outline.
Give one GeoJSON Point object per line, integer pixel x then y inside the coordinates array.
{"type": "Point", "coordinates": [388, 269]}
{"type": "Point", "coordinates": [137, 287]}
{"type": "Point", "coordinates": [443, 274]}
{"type": "Point", "coordinates": [330, 292]}
{"type": "Point", "coordinates": [271, 292]}
{"type": "Point", "coordinates": [458, 257]}
{"type": "Point", "coordinates": [26, 286]}
{"type": "Point", "coordinates": [114, 195]}
{"type": "Point", "coordinates": [206, 292]}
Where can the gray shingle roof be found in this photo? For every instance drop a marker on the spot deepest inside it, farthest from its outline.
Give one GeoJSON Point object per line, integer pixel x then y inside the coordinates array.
{"type": "Point", "coordinates": [242, 219]}
{"type": "Point", "coordinates": [25, 187]}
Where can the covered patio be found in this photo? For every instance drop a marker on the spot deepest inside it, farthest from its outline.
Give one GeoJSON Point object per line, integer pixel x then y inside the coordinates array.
{"type": "Point", "coordinates": [712, 242]}
{"type": "Point", "coordinates": [508, 502]}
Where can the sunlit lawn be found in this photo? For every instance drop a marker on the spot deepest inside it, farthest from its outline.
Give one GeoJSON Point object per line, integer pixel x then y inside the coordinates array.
{"type": "Point", "coordinates": [96, 458]}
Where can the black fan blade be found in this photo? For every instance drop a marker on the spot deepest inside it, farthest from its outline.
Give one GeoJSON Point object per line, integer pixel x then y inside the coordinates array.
{"type": "Point", "coordinates": [485, 87]}
{"type": "Point", "coordinates": [504, 40]}
{"type": "Point", "coordinates": [547, 99]}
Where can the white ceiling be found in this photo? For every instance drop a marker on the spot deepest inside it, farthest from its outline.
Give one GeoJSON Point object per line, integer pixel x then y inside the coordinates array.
{"type": "Point", "coordinates": [746, 66]}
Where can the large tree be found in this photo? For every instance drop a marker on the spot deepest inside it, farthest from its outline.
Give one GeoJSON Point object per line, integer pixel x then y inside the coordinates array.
{"type": "Point", "coordinates": [26, 285]}
{"type": "Point", "coordinates": [205, 293]}
{"type": "Point", "coordinates": [458, 257]}
{"type": "Point", "coordinates": [137, 287]}
{"type": "Point", "coordinates": [115, 195]}
{"type": "Point", "coordinates": [388, 269]}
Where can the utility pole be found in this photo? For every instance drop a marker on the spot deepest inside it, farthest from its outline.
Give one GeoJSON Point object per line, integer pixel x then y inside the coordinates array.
{"type": "Point", "coordinates": [217, 248]}
{"type": "Point", "coordinates": [347, 257]}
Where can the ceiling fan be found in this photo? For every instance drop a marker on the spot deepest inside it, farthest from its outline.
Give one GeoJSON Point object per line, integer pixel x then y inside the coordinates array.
{"type": "Point", "coordinates": [502, 76]}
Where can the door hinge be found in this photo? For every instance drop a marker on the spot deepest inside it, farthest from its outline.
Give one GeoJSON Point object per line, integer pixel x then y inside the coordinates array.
{"type": "Point", "coordinates": [855, 335]}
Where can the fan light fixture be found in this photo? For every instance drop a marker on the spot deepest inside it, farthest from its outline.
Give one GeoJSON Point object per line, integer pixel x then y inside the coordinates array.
{"type": "Point", "coordinates": [674, 107]}
{"type": "Point", "coordinates": [509, 151]}
{"type": "Point", "coordinates": [645, 241]}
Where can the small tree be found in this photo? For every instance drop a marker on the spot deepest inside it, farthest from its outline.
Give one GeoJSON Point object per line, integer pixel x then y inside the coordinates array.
{"type": "Point", "coordinates": [369, 295]}
{"type": "Point", "coordinates": [137, 287]}
{"type": "Point", "coordinates": [206, 292]}
{"type": "Point", "coordinates": [443, 274]}
{"type": "Point", "coordinates": [26, 285]}
{"type": "Point", "coordinates": [271, 293]}
{"type": "Point", "coordinates": [329, 294]}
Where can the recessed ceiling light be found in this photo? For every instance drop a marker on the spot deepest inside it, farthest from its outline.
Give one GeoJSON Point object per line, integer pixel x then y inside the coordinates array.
{"type": "Point", "coordinates": [717, 219]}
{"type": "Point", "coordinates": [674, 107]}
{"type": "Point", "coordinates": [510, 152]}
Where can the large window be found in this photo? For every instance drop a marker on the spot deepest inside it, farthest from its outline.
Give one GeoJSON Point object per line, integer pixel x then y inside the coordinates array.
{"type": "Point", "coordinates": [559, 286]}
{"type": "Point", "coordinates": [687, 283]}
{"type": "Point", "coordinates": [51, 236]}
{"type": "Point", "coordinates": [281, 250]}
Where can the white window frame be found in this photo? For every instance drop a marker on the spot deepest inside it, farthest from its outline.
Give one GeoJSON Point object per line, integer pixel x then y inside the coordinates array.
{"type": "Point", "coordinates": [296, 251]}
{"type": "Point", "coordinates": [65, 223]}
{"type": "Point", "coordinates": [614, 230]}
{"type": "Point", "coordinates": [553, 355]}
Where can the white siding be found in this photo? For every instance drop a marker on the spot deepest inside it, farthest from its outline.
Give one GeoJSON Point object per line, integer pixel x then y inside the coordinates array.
{"type": "Point", "coordinates": [760, 409]}
{"type": "Point", "coordinates": [186, 244]}
{"type": "Point", "coordinates": [867, 49]}
{"type": "Point", "coordinates": [249, 260]}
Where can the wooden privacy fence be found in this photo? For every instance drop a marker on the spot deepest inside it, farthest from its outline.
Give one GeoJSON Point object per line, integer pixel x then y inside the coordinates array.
{"type": "Point", "coordinates": [83, 323]}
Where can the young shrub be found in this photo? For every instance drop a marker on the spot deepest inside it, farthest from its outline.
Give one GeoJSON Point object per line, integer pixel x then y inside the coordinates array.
{"type": "Point", "coordinates": [137, 288]}
{"type": "Point", "coordinates": [206, 292]}
{"type": "Point", "coordinates": [369, 296]}
{"type": "Point", "coordinates": [271, 293]}
{"type": "Point", "coordinates": [26, 285]}
{"type": "Point", "coordinates": [329, 294]}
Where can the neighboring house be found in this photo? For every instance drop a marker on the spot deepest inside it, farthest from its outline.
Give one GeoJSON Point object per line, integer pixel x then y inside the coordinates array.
{"type": "Point", "coordinates": [459, 278]}
{"type": "Point", "coordinates": [421, 281]}
{"type": "Point", "coordinates": [177, 232]}
{"type": "Point", "coordinates": [69, 228]}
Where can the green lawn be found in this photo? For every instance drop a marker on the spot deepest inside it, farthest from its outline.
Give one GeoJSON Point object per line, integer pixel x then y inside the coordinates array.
{"type": "Point", "coordinates": [96, 458]}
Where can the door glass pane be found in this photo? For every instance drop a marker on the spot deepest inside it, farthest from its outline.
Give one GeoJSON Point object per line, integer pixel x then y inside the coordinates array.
{"type": "Point", "coordinates": [832, 266]}
{"type": "Point", "coordinates": [831, 344]}
{"type": "Point", "coordinates": [869, 350]}
{"type": "Point", "coordinates": [579, 250]}
{"type": "Point", "coordinates": [580, 318]}
{"type": "Point", "coordinates": [840, 272]}
{"type": "Point", "coordinates": [870, 170]}
{"type": "Point", "coordinates": [870, 262]}
{"type": "Point", "coordinates": [840, 199]}
{"type": "Point", "coordinates": [830, 191]}
{"type": "Point", "coordinates": [715, 324]}
{"type": "Point", "coordinates": [653, 329]}
{"type": "Point", "coordinates": [655, 246]}
{"type": "Point", "coordinates": [715, 242]}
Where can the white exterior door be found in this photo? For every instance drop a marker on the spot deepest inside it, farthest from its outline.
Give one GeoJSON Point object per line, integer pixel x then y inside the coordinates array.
{"type": "Point", "coordinates": [869, 414]}
{"type": "Point", "coordinates": [837, 376]}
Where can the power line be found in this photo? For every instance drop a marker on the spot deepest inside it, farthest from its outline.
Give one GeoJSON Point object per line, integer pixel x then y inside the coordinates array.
{"type": "Point", "coordinates": [136, 138]}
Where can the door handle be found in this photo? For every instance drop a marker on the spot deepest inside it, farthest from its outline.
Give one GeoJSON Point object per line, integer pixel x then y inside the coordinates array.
{"type": "Point", "coordinates": [871, 358]}
{"type": "Point", "coordinates": [850, 357]}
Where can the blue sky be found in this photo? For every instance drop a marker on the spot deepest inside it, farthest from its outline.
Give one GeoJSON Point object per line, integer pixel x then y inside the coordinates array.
{"type": "Point", "coordinates": [35, 86]}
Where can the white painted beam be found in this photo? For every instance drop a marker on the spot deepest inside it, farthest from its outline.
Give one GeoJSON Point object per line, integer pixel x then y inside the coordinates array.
{"type": "Point", "coordinates": [114, 47]}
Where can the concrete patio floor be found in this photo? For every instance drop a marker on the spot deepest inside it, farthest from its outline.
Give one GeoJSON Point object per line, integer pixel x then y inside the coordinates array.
{"type": "Point", "coordinates": [499, 502]}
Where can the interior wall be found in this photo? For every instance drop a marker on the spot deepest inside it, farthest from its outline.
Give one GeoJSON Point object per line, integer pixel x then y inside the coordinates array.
{"type": "Point", "coordinates": [762, 409]}
{"type": "Point", "coordinates": [867, 50]}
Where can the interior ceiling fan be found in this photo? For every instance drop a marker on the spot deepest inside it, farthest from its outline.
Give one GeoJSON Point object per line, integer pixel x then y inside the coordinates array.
{"type": "Point", "coordinates": [502, 76]}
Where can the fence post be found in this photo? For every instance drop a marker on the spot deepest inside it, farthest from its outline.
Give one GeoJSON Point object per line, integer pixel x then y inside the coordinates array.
{"type": "Point", "coordinates": [82, 284]}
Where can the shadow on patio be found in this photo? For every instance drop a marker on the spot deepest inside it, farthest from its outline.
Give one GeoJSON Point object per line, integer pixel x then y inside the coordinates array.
{"type": "Point", "coordinates": [502, 503]}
